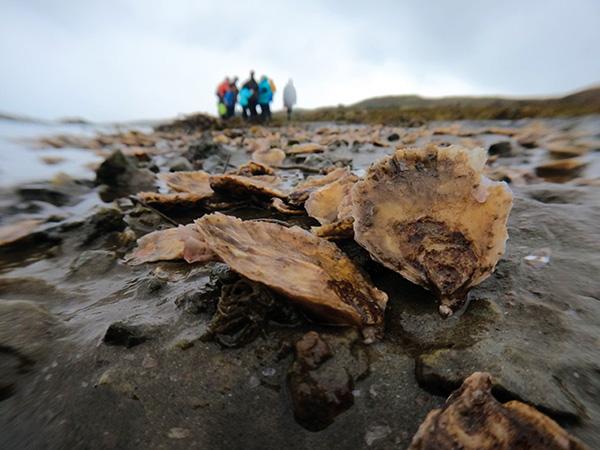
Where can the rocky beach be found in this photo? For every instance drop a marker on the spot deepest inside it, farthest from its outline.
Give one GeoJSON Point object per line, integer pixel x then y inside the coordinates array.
{"type": "Point", "coordinates": [111, 341]}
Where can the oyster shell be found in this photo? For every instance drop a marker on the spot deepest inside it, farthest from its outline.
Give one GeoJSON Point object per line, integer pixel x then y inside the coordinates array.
{"type": "Point", "coordinates": [183, 242]}
{"type": "Point", "coordinates": [195, 182]}
{"type": "Point", "coordinates": [302, 191]}
{"type": "Point", "coordinates": [241, 186]}
{"type": "Point", "coordinates": [178, 199]}
{"type": "Point", "coordinates": [308, 147]}
{"type": "Point", "coordinates": [472, 419]}
{"type": "Point", "coordinates": [272, 156]}
{"type": "Point", "coordinates": [325, 203]}
{"type": "Point", "coordinates": [252, 168]}
{"type": "Point", "coordinates": [430, 215]}
{"type": "Point", "coordinates": [307, 269]}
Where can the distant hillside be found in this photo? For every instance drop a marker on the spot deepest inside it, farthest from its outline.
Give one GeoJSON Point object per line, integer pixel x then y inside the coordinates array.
{"type": "Point", "coordinates": [413, 109]}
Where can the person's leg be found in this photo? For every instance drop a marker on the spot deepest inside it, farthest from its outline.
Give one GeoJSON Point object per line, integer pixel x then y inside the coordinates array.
{"type": "Point", "coordinates": [289, 113]}
{"type": "Point", "coordinates": [263, 112]}
{"type": "Point", "coordinates": [245, 112]}
{"type": "Point", "coordinates": [267, 112]}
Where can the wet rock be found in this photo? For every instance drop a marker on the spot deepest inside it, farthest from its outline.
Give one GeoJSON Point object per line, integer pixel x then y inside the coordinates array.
{"type": "Point", "coordinates": [473, 419]}
{"type": "Point", "coordinates": [376, 433]}
{"type": "Point", "coordinates": [189, 124]}
{"type": "Point", "coordinates": [203, 149]}
{"type": "Point", "coordinates": [27, 329]}
{"type": "Point", "coordinates": [121, 176]}
{"type": "Point", "coordinates": [91, 264]}
{"type": "Point", "coordinates": [319, 392]}
{"type": "Point", "coordinates": [102, 223]}
{"type": "Point", "coordinates": [561, 170]}
{"type": "Point", "coordinates": [124, 335]}
{"type": "Point", "coordinates": [180, 164]}
{"type": "Point", "coordinates": [556, 193]}
{"type": "Point", "coordinates": [45, 193]}
{"type": "Point", "coordinates": [119, 382]}
{"type": "Point", "coordinates": [502, 149]}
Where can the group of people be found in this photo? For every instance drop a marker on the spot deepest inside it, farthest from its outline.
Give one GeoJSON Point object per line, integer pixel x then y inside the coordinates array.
{"type": "Point", "coordinates": [252, 96]}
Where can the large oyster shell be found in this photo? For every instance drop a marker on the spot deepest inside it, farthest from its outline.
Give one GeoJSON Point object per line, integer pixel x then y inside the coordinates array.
{"type": "Point", "coordinates": [309, 270]}
{"type": "Point", "coordinates": [430, 215]}
{"type": "Point", "coordinates": [472, 419]}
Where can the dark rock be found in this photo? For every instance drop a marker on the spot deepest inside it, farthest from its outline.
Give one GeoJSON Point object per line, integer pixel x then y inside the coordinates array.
{"type": "Point", "coordinates": [124, 335]}
{"type": "Point", "coordinates": [91, 264]}
{"type": "Point", "coordinates": [319, 391]}
{"type": "Point", "coordinates": [393, 137]}
{"type": "Point", "coordinates": [103, 222]}
{"type": "Point", "coordinates": [190, 124]}
{"type": "Point", "coordinates": [203, 149]}
{"type": "Point", "coordinates": [502, 149]}
{"type": "Point", "coordinates": [121, 176]}
{"type": "Point", "coordinates": [63, 192]}
{"type": "Point", "coordinates": [26, 329]}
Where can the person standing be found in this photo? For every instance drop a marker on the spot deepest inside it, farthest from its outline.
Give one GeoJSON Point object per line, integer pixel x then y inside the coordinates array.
{"type": "Point", "coordinates": [222, 89]}
{"type": "Point", "coordinates": [289, 97]}
{"type": "Point", "coordinates": [230, 97]}
{"type": "Point", "coordinates": [265, 96]}
{"type": "Point", "coordinates": [244, 101]}
{"type": "Point", "coordinates": [252, 85]}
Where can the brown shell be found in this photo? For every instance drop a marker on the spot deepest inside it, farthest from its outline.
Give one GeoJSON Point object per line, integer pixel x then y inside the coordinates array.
{"type": "Point", "coordinates": [195, 182]}
{"type": "Point", "coordinates": [241, 186]}
{"type": "Point", "coordinates": [182, 242]}
{"type": "Point", "coordinates": [428, 214]}
{"type": "Point", "coordinates": [309, 270]}
{"type": "Point", "coordinates": [472, 419]}
{"type": "Point", "coordinates": [325, 203]}
{"type": "Point", "coordinates": [302, 191]}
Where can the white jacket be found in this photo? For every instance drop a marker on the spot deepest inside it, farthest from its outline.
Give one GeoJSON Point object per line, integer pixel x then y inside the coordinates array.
{"type": "Point", "coordinates": [289, 95]}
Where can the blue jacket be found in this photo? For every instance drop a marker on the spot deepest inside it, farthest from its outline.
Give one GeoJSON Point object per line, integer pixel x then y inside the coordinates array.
{"type": "Point", "coordinates": [244, 96]}
{"type": "Point", "coordinates": [265, 95]}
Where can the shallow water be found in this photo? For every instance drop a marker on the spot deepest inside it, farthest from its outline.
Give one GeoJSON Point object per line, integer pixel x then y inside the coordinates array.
{"type": "Point", "coordinates": [21, 161]}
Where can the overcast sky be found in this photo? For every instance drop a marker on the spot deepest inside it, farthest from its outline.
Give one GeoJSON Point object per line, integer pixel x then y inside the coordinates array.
{"type": "Point", "coordinates": [114, 60]}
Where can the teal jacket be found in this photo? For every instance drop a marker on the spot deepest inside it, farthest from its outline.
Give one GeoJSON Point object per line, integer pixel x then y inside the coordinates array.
{"type": "Point", "coordinates": [244, 97]}
{"type": "Point", "coordinates": [265, 95]}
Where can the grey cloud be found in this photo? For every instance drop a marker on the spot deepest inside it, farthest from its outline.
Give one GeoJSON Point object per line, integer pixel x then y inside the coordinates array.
{"type": "Point", "coordinates": [127, 59]}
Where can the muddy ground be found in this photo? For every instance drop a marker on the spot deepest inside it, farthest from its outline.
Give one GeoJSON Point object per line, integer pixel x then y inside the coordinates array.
{"type": "Point", "coordinates": [95, 353]}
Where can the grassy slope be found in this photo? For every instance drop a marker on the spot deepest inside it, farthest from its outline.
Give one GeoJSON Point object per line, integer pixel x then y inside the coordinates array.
{"type": "Point", "coordinates": [412, 109]}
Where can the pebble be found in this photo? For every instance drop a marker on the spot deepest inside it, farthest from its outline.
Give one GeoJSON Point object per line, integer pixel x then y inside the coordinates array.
{"type": "Point", "coordinates": [269, 371]}
{"type": "Point", "coordinates": [179, 433]}
{"type": "Point", "coordinates": [376, 432]}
